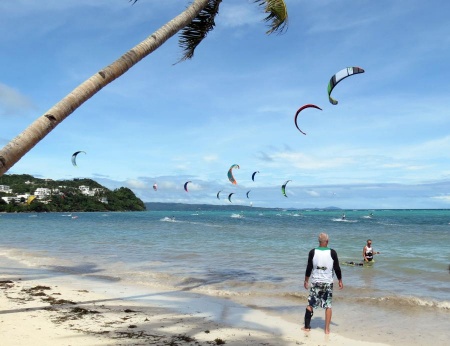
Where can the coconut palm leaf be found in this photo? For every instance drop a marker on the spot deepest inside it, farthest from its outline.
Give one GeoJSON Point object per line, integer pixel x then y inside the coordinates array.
{"type": "Point", "coordinates": [196, 31]}
{"type": "Point", "coordinates": [277, 15]}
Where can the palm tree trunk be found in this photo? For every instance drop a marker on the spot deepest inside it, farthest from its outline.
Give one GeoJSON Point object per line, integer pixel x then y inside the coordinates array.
{"type": "Point", "coordinates": [42, 126]}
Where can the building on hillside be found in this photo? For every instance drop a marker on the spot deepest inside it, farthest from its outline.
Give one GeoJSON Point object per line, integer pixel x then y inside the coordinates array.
{"type": "Point", "coordinates": [17, 199]}
{"type": "Point", "coordinates": [85, 190]}
{"type": "Point", "coordinates": [42, 192]}
{"type": "Point", "coordinates": [5, 188]}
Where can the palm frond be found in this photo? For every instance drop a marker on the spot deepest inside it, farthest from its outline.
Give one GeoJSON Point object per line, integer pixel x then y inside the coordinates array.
{"type": "Point", "coordinates": [277, 15]}
{"type": "Point", "coordinates": [196, 31]}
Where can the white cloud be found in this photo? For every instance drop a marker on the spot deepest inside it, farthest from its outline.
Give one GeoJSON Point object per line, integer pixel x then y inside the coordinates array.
{"type": "Point", "coordinates": [136, 184]}
{"type": "Point", "coordinates": [445, 198]}
{"type": "Point", "coordinates": [210, 158]}
{"type": "Point", "coordinates": [313, 193]}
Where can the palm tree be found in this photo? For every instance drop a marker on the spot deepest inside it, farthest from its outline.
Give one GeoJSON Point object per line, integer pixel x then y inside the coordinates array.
{"type": "Point", "coordinates": [194, 23]}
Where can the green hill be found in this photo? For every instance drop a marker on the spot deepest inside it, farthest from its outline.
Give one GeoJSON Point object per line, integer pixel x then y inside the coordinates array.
{"type": "Point", "coordinates": [63, 196]}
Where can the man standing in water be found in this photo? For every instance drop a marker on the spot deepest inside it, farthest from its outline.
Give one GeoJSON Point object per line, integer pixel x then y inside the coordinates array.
{"type": "Point", "coordinates": [322, 261]}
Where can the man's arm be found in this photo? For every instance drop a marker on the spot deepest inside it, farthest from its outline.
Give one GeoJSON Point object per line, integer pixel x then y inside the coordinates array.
{"type": "Point", "coordinates": [337, 268]}
{"type": "Point", "coordinates": [309, 268]}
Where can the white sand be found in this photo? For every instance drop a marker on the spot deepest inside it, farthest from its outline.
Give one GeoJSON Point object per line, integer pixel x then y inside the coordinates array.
{"type": "Point", "coordinates": [107, 313]}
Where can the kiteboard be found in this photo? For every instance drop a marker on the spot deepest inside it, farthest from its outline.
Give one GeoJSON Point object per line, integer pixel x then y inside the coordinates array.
{"type": "Point", "coordinates": [358, 264]}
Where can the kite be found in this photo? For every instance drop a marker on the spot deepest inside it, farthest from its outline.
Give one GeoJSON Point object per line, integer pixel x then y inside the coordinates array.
{"type": "Point", "coordinates": [298, 112]}
{"type": "Point", "coordinates": [229, 196]}
{"type": "Point", "coordinates": [230, 174]}
{"type": "Point", "coordinates": [248, 193]}
{"type": "Point", "coordinates": [30, 199]}
{"type": "Point", "coordinates": [218, 194]}
{"type": "Point", "coordinates": [253, 175]}
{"type": "Point", "coordinates": [342, 74]}
{"type": "Point", "coordinates": [283, 188]}
{"type": "Point", "coordinates": [155, 187]}
{"type": "Point", "coordinates": [185, 185]}
{"type": "Point", "coordinates": [74, 157]}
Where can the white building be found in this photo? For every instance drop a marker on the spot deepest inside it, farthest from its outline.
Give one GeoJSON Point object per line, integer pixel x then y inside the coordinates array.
{"type": "Point", "coordinates": [42, 192]}
{"type": "Point", "coordinates": [85, 190]}
{"type": "Point", "coordinates": [5, 188]}
{"type": "Point", "coordinates": [17, 199]}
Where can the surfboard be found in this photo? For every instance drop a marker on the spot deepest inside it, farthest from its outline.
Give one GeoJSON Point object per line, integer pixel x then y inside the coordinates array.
{"type": "Point", "coordinates": [358, 264]}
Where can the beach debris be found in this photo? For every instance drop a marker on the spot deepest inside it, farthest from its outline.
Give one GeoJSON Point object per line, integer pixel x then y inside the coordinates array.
{"type": "Point", "coordinates": [6, 284]}
{"type": "Point", "coordinates": [37, 288]}
{"type": "Point", "coordinates": [53, 301]}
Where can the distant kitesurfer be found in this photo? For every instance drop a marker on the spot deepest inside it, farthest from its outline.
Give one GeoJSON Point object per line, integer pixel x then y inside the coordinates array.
{"type": "Point", "coordinates": [368, 251]}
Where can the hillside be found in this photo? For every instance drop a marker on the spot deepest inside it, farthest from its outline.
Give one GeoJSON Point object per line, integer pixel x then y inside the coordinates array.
{"type": "Point", "coordinates": [63, 196]}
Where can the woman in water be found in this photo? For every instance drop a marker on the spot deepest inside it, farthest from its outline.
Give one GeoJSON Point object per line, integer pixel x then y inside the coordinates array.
{"type": "Point", "coordinates": [368, 251]}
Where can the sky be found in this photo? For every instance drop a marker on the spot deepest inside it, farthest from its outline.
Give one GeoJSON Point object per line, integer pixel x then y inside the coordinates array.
{"type": "Point", "coordinates": [384, 145]}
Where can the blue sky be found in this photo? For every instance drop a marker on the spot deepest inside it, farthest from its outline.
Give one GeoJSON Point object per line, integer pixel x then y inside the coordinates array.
{"type": "Point", "coordinates": [385, 145]}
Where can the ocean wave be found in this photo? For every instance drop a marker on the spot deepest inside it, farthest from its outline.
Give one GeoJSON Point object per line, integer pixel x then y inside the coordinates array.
{"type": "Point", "coordinates": [237, 216]}
{"type": "Point", "coordinates": [343, 220]}
{"type": "Point", "coordinates": [33, 258]}
{"type": "Point", "coordinates": [168, 219]}
{"type": "Point", "coordinates": [403, 301]}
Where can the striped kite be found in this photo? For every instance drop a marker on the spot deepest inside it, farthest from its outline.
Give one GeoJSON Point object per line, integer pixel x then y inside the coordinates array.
{"type": "Point", "coordinates": [283, 188]}
{"type": "Point", "coordinates": [230, 174]}
{"type": "Point", "coordinates": [342, 74]}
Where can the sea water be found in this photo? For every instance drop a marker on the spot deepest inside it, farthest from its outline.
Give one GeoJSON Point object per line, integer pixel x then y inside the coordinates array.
{"type": "Point", "coordinates": [253, 256]}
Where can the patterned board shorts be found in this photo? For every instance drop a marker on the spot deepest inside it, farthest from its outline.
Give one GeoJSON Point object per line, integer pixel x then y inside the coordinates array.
{"type": "Point", "coordinates": [320, 295]}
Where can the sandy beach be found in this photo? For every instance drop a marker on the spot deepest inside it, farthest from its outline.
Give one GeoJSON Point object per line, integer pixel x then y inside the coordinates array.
{"type": "Point", "coordinates": [41, 309]}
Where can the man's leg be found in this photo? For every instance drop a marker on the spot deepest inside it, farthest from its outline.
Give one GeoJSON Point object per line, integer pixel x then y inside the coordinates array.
{"type": "Point", "coordinates": [308, 315]}
{"type": "Point", "coordinates": [328, 314]}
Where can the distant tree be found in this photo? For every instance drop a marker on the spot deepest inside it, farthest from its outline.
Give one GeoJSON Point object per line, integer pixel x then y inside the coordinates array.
{"type": "Point", "coordinates": [71, 199]}
{"type": "Point", "coordinates": [196, 21]}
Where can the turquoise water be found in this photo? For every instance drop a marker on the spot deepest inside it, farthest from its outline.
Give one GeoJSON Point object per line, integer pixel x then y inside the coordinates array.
{"type": "Point", "coordinates": [242, 254]}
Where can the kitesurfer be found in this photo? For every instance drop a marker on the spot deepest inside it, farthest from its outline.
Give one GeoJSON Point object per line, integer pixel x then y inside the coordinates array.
{"type": "Point", "coordinates": [368, 251]}
{"type": "Point", "coordinates": [322, 262]}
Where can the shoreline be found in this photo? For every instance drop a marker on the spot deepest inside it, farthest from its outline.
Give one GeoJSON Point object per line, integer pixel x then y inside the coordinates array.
{"type": "Point", "coordinates": [41, 307]}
